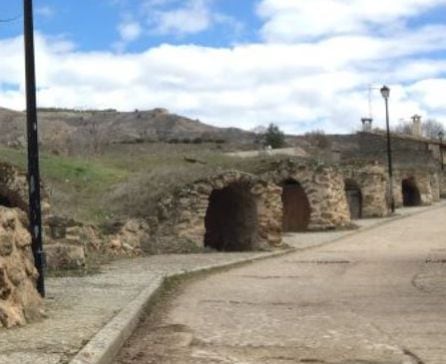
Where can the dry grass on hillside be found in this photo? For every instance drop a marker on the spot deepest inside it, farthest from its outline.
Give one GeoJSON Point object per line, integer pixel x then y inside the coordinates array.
{"type": "Point", "coordinates": [126, 180]}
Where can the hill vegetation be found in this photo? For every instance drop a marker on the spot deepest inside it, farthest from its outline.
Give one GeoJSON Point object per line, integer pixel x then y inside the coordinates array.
{"type": "Point", "coordinates": [86, 132]}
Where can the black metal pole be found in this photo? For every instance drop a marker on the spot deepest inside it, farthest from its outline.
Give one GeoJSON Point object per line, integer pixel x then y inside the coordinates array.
{"type": "Point", "coordinates": [389, 157]}
{"type": "Point", "coordinates": [441, 153]}
{"type": "Point", "coordinates": [35, 215]}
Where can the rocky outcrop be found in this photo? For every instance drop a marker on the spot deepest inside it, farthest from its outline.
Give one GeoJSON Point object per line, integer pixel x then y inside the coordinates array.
{"type": "Point", "coordinates": [324, 187]}
{"type": "Point", "coordinates": [14, 189]}
{"type": "Point", "coordinates": [19, 300]}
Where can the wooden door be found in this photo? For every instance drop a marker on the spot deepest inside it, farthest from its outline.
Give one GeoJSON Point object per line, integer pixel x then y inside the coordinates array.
{"type": "Point", "coordinates": [354, 200]}
{"type": "Point", "coordinates": [296, 208]}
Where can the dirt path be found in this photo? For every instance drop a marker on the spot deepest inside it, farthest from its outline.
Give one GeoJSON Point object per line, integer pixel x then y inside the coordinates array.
{"type": "Point", "coordinates": [377, 297]}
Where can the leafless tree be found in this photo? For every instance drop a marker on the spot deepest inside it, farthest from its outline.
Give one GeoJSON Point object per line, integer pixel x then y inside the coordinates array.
{"type": "Point", "coordinates": [431, 128]}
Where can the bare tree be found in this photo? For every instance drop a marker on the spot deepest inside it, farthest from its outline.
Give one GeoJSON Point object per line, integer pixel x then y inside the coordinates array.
{"type": "Point", "coordinates": [403, 127]}
{"type": "Point", "coordinates": [431, 128]}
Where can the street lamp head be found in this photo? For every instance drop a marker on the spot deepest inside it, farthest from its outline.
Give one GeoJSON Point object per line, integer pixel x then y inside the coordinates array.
{"type": "Point", "coordinates": [385, 92]}
{"type": "Point", "coordinates": [440, 135]}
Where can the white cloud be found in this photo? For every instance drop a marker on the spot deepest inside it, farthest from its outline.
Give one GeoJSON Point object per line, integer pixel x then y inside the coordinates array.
{"type": "Point", "coordinates": [182, 18]}
{"type": "Point", "coordinates": [129, 31]}
{"type": "Point", "coordinates": [193, 17]}
{"type": "Point", "coordinates": [292, 20]}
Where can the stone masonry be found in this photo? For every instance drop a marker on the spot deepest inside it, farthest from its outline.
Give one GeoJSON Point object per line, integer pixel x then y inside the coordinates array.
{"type": "Point", "coordinates": [324, 186]}
{"type": "Point", "coordinates": [373, 182]}
{"type": "Point", "coordinates": [182, 215]}
{"type": "Point", "coordinates": [425, 181]}
{"type": "Point", "coordinates": [442, 181]}
{"type": "Point", "coordinates": [19, 300]}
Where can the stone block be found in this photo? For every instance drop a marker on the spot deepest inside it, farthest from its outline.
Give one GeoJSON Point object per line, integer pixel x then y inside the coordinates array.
{"type": "Point", "coordinates": [64, 256]}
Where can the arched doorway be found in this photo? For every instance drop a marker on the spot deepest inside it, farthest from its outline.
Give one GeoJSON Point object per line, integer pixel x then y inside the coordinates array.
{"type": "Point", "coordinates": [354, 199]}
{"type": "Point", "coordinates": [231, 219]}
{"type": "Point", "coordinates": [296, 207]}
{"type": "Point", "coordinates": [411, 194]}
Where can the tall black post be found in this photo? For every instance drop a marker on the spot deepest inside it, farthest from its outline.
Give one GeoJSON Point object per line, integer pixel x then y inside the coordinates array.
{"type": "Point", "coordinates": [389, 157]}
{"type": "Point", "coordinates": [441, 151]}
{"type": "Point", "coordinates": [35, 215]}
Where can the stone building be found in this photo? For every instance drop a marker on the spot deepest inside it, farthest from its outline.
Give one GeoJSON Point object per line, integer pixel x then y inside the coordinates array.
{"type": "Point", "coordinates": [417, 162]}
{"type": "Point", "coordinates": [231, 211]}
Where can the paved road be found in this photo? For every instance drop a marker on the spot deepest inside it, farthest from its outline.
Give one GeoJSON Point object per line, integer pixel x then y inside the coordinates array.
{"type": "Point", "coordinates": [376, 297]}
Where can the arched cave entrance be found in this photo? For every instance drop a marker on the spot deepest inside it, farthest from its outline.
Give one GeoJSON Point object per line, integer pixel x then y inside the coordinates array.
{"type": "Point", "coordinates": [354, 199]}
{"type": "Point", "coordinates": [411, 194]}
{"type": "Point", "coordinates": [231, 219]}
{"type": "Point", "coordinates": [296, 207]}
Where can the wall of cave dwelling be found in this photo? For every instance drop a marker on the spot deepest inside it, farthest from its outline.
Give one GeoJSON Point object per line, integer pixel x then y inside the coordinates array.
{"type": "Point", "coordinates": [416, 187]}
{"type": "Point", "coordinates": [323, 187]}
{"type": "Point", "coordinates": [372, 182]}
{"type": "Point", "coordinates": [232, 211]}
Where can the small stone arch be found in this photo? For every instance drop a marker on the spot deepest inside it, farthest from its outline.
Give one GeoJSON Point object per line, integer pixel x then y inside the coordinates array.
{"type": "Point", "coordinates": [296, 206]}
{"type": "Point", "coordinates": [323, 185]}
{"type": "Point", "coordinates": [411, 193]}
{"type": "Point", "coordinates": [353, 194]}
{"type": "Point", "coordinates": [229, 211]}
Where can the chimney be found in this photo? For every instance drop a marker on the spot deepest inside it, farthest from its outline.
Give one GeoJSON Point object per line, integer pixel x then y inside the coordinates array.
{"type": "Point", "coordinates": [367, 124]}
{"type": "Point", "coordinates": [416, 125]}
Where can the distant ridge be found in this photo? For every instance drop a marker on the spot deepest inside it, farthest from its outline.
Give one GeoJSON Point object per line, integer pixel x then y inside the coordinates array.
{"type": "Point", "coordinates": [63, 128]}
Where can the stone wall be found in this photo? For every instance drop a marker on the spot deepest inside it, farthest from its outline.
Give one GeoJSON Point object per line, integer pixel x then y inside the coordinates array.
{"type": "Point", "coordinates": [442, 181]}
{"type": "Point", "coordinates": [425, 181]}
{"type": "Point", "coordinates": [19, 300]}
{"type": "Point", "coordinates": [373, 181]}
{"type": "Point", "coordinates": [181, 216]}
{"type": "Point", "coordinates": [324, 187]}
{"type": "Point", "coordinates": [435, 187]}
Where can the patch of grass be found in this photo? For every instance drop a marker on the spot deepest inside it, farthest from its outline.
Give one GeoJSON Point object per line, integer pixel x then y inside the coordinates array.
{"type": "Point", "coordinates": [74, 185]}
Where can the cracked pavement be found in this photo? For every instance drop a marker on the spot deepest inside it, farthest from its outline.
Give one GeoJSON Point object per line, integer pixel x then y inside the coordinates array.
{"type": "Point", "coordinates": [375, 297]}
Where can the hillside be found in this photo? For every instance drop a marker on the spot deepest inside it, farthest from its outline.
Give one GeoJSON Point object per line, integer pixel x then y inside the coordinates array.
{"type": "Point", "coordinates": [72, 131]}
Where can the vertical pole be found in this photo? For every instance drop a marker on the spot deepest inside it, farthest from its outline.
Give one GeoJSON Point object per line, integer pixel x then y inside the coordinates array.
{"type": "Point", "coordinates": [441, 153]}
{"type": "Point", "coordinates": [389, 157]}
{"type": "Point", "coordinates": [35, 217]}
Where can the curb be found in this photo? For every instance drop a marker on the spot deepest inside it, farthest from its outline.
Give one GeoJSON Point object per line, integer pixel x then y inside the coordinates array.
{"type": "Point", "coordinates": [105, 345]}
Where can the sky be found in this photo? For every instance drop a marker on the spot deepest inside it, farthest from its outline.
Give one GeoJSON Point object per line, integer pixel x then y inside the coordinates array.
{"type": "Point", "coordinates": [301, 64]}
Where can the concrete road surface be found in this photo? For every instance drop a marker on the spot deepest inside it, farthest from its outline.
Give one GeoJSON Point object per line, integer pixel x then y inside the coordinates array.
{"type": "Point", "coordinates": [376, 297]}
